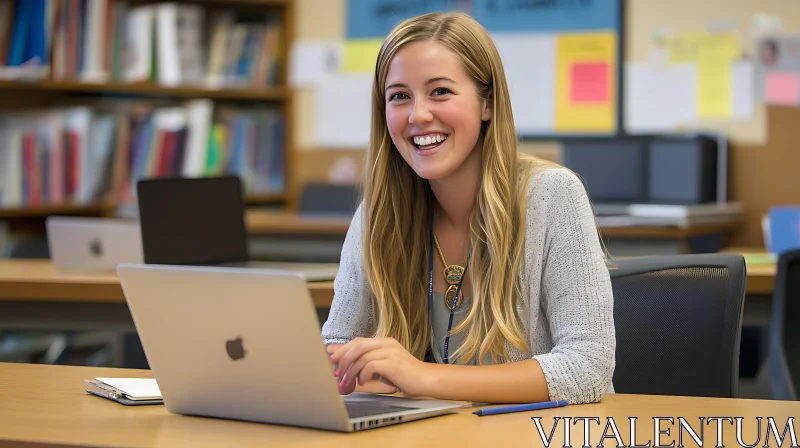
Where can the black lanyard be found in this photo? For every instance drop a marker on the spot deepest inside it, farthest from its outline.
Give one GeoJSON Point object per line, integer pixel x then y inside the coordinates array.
{"type": "Point", "coordinates": [452, 307]}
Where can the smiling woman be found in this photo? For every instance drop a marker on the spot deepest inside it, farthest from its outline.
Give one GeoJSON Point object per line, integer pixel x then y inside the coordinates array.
{"type": "Point", "coordinates": [470, 271]}
{"type": "Point", "coordinates": [429, 98]}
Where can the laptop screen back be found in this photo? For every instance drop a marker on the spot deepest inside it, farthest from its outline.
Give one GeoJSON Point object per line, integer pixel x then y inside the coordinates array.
{"type": "Point", "coordinates": [192, 220]}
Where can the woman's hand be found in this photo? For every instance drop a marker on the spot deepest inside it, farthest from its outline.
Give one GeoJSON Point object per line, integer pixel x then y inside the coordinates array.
{"type": "Point", "coordinates": [373, 387]}
{"type": "Point", "coordinates": [383, 359]}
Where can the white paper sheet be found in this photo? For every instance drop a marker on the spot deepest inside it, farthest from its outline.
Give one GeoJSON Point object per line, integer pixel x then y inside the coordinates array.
{"type": "Point", "coordinates": [529, 61]}
{"type": "Point", "coordinates": [743, 86]}
{"type": "Point", "coordinates": [659, 98]}
{"type": "Point", "coordinates": [342, 111]}
{"type": "Point", "coordinates": [311, 61]}
{"type": "Point", "coordinates": [137, 388]}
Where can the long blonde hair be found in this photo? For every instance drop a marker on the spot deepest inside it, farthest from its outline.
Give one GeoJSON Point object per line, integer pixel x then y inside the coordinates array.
{"type": "Point", "coordinates": [397, 207]}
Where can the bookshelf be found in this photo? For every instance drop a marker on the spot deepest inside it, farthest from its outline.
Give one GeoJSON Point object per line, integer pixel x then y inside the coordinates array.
{"type": "Point", "coordinates": [87, 67]}
{"type": "Point", "coordinates": [61, 209]}
{"type": "Point", "coordinates": [279, 94]}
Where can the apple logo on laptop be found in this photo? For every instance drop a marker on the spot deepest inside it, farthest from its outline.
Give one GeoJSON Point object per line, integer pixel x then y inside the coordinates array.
{"type": "Point", "coordinates": [96, 248]}
{"type": "Point", "coordinates": [235, 348]}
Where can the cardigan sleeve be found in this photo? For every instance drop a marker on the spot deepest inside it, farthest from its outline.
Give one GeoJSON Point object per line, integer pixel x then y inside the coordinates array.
{"type": "Point", "coordinates": [576, 294]}
{"type": "Point", "coordinates": [351, 310]}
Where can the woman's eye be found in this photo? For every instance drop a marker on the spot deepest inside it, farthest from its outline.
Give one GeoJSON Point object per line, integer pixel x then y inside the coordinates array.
{"type": "Point", "coordinates": [441, 91]}
{"type": "Point", "coordinates": [398, 96]}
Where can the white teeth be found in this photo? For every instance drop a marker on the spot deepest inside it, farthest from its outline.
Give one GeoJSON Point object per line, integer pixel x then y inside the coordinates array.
{"type": "Point", "coordinates": [423, 141]}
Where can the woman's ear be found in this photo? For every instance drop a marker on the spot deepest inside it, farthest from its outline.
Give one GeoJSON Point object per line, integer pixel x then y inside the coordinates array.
{"type": "Point", "coordinates": [486, 107]}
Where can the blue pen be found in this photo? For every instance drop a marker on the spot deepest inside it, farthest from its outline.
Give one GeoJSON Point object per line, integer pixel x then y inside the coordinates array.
{"type": "Point", "coordinates": [521, 408]}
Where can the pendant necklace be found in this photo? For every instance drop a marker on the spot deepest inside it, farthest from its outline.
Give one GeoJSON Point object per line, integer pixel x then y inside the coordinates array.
{"type": "Point", "coordinates": [452, 275]}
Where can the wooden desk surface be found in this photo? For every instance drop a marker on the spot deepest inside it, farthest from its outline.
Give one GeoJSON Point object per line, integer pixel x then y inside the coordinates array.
{"type": "Point", "coordinates": [761, 276]}
{"type": "Point", "coordinates": [38, 280]}
{"type": "Point", "coordinates": [282, 222]}
{"type": "Point", "coordinates": [47, 405]}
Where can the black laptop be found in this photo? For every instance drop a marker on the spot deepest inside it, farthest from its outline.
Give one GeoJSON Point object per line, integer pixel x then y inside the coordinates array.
{"type": "Point", "coordinates": [200, 221]}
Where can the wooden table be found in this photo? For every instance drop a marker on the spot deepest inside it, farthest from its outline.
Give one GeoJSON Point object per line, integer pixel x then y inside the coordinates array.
{"type": "Point", "coordinates": [761, 276]}
{"type": "Point", "coordinates": [38, 280]}
{"type": "Point", "coordinates": [47, 406]}
{"type": "Point", "coordinates": [36, 296]}
{"type": "Point", "coordinates": [283, 222]}
{"type": "Point", "coordinates": [287, 235]}
{"type": "Point", "coordinates": [761, 279]}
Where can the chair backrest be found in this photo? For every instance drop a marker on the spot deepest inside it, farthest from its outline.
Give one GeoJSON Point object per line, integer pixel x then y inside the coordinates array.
{"type": "Point", "coordinates": [678, 323]}
{"type": "Point", "coordinates": [328, 199]}
{"type": "Point", "coordinates": [784, 336]}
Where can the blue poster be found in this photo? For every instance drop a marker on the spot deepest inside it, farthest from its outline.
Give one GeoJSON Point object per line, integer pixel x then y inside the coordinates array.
{"type": "Point", "coordinates": [376, 18]}
{"type": "Point", "coordinates": [547, 15]}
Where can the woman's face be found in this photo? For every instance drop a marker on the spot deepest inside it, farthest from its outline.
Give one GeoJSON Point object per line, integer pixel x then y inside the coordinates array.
{"type": "Point", "coordinates": [433, 111]}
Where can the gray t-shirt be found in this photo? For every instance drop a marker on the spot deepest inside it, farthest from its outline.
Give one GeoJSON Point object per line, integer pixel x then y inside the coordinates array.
{"type": "Point", "coordinates": [440, 318]}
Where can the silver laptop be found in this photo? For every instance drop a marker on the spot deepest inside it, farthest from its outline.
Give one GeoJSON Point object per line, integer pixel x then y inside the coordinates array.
{"type": "Point", "coordinates": [245, 344]}
{"type": "Point", "coordinates": [89, 243]}
{"type": "Point", "coordinates": [312, 272]}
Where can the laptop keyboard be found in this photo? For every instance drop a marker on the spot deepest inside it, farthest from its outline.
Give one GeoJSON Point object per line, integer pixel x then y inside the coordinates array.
{"type": "Point", "coordinates": [356, 409]}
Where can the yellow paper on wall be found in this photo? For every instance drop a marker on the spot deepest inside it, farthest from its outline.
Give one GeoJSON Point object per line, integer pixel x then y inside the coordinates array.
{"type": "Point", "coordinates": [714, 94]}
{"type": "Point", "coordinates": [360, 55]}
{"type": "Point", "coordinates": [694, 46]}
{"type": "Point", "coordinates": [713, 54]}
{"type": "Point", "coordinates": [586, 96]}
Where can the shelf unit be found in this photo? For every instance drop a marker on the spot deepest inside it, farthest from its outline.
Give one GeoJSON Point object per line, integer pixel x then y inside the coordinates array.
{"type": "Point", "coordinates": [14, 92]}
{"type": "Point", "coordinates": [279, 94]}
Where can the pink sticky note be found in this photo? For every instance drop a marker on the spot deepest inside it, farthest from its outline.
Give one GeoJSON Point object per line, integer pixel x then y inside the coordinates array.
{"type": "Point", "coordinates": [589, 82]}
{"type": "Point", "coordinates": [782, 88]}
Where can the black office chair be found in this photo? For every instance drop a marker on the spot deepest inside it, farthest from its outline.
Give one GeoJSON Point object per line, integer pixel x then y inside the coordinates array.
{"type": "Point", "coordinates": [678, 323]}
{"type": "Point", "coordinates": [784, 333]}
{"type": "Point", "coordinates": [328, 199]}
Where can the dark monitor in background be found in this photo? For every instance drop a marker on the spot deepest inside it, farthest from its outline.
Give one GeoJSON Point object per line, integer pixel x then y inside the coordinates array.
{"type": "Point", "coordinates": [192, 220]}
{"type": "Point", "coordinates": [669, 169]}
{"type": "Point", "coordinates": [614, 171]}
{"type": "Point", "coordinates": [683, 170]}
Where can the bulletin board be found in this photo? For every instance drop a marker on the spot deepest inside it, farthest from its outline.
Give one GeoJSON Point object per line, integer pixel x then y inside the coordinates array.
{"type": "Point", "coordinates": [704, 70]}
{"type": "Point", "coordinates": [561, 59]}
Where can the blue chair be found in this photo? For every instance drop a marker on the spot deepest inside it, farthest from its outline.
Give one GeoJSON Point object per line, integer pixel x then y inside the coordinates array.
{"type": "Point", "coordinates": [784, 333]}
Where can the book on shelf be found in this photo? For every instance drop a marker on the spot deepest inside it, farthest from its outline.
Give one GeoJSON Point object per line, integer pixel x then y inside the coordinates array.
{"type": "Point", "coordinates": [168, 44]}
{"type": "Point", "coordinates": [96, 153]}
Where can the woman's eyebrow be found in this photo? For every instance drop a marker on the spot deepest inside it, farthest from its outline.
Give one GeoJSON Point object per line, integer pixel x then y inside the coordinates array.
{"type": "Point", "coordinates": [439, 78]}
{"type": "Point", "coordinates": [430, 81]}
